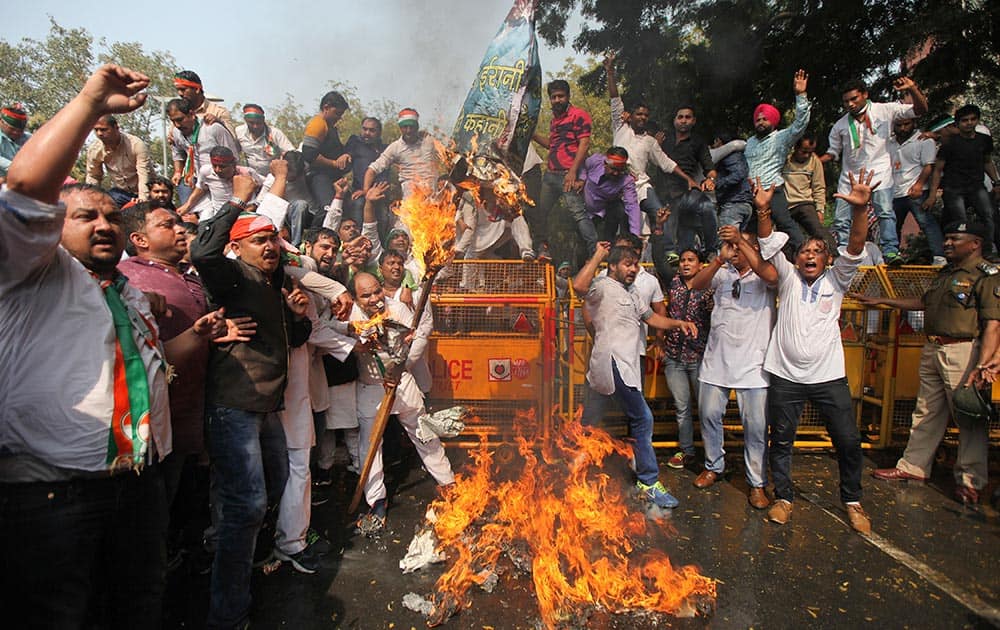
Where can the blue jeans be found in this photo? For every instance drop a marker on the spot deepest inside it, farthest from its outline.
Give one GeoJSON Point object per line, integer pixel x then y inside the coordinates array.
{"type": "Point", "coordinates": [540, 217]}
{"type": "Point", "coordinates": [888, 242]}
{"type": "Point", "coordinates": [695, 215]}
{"type": "Point", "coordinates": [832, 399]}
{"type": "Point", "coordinates": [235, 441]}
{"type": "Point", "coordinates": [928, 224]}
{"type": "Point", "coordinates": [712, 401]}
{"type": "Point", "coordinates": [640, 423]}
{"type": "Point", "coordinates": [682, 379]}
{"type": "Point", "coordinates": [183, 192]}
{"type": "Point", "coordinates": [735, 213]}
{"type": "Point", "coordinates": [73, 548]}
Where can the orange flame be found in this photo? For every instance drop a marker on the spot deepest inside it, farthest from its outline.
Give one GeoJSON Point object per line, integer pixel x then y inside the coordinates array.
{"type": "Point", "coordinates": [430, 217]}
{"type": "Point", "coordinates": [371, 325]}
{"type": "Point", "coordinates": [572, 520]}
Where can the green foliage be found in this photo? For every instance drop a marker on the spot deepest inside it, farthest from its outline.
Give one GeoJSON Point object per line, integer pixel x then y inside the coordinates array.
{"type": "Point", "coordinates": [725, 56]}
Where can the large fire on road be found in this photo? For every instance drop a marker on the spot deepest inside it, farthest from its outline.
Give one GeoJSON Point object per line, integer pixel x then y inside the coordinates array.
{"type": "Point", "coordinates": [554, 511]}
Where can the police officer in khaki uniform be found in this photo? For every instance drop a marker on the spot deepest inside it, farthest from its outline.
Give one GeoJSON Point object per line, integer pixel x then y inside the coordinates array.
{"type": "Point", "coordinates": [962, 322]}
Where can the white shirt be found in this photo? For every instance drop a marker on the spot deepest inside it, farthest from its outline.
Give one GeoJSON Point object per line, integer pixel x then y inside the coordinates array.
{"type": "Point", "coordinates": [908, 159]}
{"type": "Point", "coordinates": [648, 291]}
{"type": "Point", "coordinates": [641, 149]}
{"type": "Point", "coordinates": [58, 340]}
{"type": "Point", "coordinates": [368, 369]}
{"type": "Point", "coordinates": [259, 151]}
{"type": "Point", "coordinates": [741, 330]}
{"type": "Point", "coordinates": [617, 316]}
{"type": "Point", "coordinates": [873, 152]}
{"type": "Point", "coordinates": [218, 190]}
{"type": "Point", "coordinates": [805, 345]}
{"type": "Point", "coordinates": [417, 162]}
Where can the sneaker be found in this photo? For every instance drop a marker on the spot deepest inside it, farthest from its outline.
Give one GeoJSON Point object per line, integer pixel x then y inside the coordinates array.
{"type": "Point", "coordinates": [673, 258]}
{"type": "Point", "coordinates": [939, 261]}
{"type": "Point", "coordinates": [527, 255]}
{"type": "Point", "coordinates": [680, 460]}
{"type": "Point", "coordinates": [305, 561]}
{"type": "Point", "coordinates": [780, 512]}
{"type": "Point", "coordinates": [322, 477]}
{"type": "Point", "coordinates": [893, 259]}
{"type": "Point", "coordinates": [859, 519]}
{"type": "Point", "coordinates": [321, 545]}
{"type": "Point", "coordinates": [657, 494]}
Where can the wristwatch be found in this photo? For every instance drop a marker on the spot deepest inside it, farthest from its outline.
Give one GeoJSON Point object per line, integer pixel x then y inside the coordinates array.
{"type": "Point", "coordinates": [236, 201]}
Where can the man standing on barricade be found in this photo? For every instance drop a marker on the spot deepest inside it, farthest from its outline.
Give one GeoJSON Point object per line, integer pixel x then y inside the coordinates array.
{"type": "Point", "coordinates": [962, 322]}
{"type": "Point", "coordinates": [860, 139]}
{"type": "Point", "coordinates": [568, 142]}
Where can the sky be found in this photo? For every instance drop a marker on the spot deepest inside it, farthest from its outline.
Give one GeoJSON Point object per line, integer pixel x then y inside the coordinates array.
{"type": "Point", "coordinates": [422, 54]}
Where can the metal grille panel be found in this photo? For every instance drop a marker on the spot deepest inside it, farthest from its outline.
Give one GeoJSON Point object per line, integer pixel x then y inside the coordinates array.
{"type": "Point", "coordinates": [490, 277]}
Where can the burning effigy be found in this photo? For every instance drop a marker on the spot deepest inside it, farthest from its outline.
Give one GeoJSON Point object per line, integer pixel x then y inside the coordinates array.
{"type": "Point", "coordinates": [549, 509]}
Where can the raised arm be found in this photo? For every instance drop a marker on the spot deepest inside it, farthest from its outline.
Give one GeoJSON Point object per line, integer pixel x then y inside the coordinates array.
{"type": "Point", "coordinates": [858, 198]}
{"type": "Point", "coordinates": [583, 278]}
{"type": "Point", "coordinates": [41, 166]}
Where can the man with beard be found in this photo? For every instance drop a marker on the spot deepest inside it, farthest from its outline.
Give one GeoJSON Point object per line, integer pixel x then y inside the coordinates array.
{"type": "Point", "coordinates": [860, 138]}
{"type": "Point", "coordinates": [805, 358]}
{"type": "Point", "coordinates": [768, 148]}
{"type": "Point", "coordinates": [609, 198]}
{"type": "Point", "coordinates": [161, 192]}
{"type": "Point", "coordinates": [912, 163]}
{"type": "Point", "coordinates": [630, 133]}
{"type": "Point", "coordinates": [568, 142]}
{"type": "Point", "coordinates": [693, 211]}
{"type": "Point", "coordinates": [962, 322]}
{"type": "Point", "coordinates": [84, 389]}
{"type": "Point", "coordinates": [617, 315]}
{"type": "Point", "coordinates": [189, 88]}
{"type": "Point", "coordinates": [365, 149]}
{"type": "Point", "coordinates": [245, 386]}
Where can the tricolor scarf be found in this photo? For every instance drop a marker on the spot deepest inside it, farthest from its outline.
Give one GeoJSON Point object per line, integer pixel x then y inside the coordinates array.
{"type": "Point", "coordinates": [852, 125]}
{"type": "Point", "coordinates": [189, 169]}
{"type": "Point", "coordinates": [128, 439]}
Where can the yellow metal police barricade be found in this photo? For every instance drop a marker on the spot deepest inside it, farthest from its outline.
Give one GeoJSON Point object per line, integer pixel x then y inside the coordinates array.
{"type": "Point", "coordinates": [492, 349]}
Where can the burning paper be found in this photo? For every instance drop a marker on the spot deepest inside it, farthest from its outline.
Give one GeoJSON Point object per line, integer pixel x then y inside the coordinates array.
{"type": "Point", "coordinates": [557, 513]}
{"type": "Point", "coordinates": [445, 423]}
{"type": "Point", "coordinates": [501, 109]}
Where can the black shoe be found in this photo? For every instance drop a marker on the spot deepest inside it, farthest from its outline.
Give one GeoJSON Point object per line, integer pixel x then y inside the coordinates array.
{"type": "Point", "coordinates": [322, 478]}
{"type": "Point", "coordinates": [319, 496]}
{"type": "Point", "coordinates": [305, 561]}
{"type": "Point", "coordinates": [321, 545]}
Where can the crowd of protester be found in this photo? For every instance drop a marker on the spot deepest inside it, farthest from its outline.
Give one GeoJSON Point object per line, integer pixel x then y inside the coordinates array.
{"type": "Point", "coordinates": [161, 323]}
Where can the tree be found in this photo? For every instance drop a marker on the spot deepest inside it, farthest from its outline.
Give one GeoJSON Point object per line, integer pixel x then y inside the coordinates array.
{"type": "Point", "coordinates": [725, 56]}
{"type": "Point", "coordinates": [159, 66]}
{"type": "Point", "coordinates": [45, 75]}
